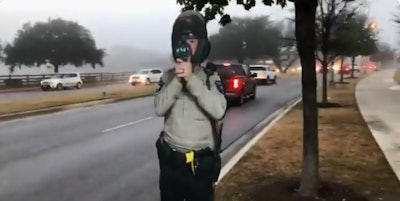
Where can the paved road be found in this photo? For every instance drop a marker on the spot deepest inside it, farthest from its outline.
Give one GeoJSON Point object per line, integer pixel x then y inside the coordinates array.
{"type": "Point", "coordinates": [35, 94]}
{"type": "Point", "coordinates": [105, 152]}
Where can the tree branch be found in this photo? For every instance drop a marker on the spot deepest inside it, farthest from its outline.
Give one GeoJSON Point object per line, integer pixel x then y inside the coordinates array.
{"type": "Point", "coordinates": [332, 57]}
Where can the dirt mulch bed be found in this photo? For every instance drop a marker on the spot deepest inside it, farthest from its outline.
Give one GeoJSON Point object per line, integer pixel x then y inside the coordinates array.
{"type": "Point", "coordinates": [352, 166]}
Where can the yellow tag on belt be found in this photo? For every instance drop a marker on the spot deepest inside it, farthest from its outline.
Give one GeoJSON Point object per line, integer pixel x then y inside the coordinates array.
{"type": "Point", "coordinates": [190, 159]}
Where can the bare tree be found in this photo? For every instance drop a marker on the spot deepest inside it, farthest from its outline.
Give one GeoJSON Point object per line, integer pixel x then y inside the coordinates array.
{"type": "Point", "coordinates": [328, 13]}
{"type": "Point", "coordinates": [353, 38]}
{"type": "Point", "coordinates": [289, 50]}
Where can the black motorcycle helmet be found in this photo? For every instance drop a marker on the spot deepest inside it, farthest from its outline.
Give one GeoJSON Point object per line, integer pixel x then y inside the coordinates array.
{"type": "Point", "coordinates": [191, 24]}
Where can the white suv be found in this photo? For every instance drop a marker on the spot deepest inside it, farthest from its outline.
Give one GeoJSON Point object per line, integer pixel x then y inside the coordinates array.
{"type": "Point", "coordinates": [146, 76]}
{"type": "Point", "coordinates": [62, 81]}
{"type": "Point", "coordinates": [265, 74]}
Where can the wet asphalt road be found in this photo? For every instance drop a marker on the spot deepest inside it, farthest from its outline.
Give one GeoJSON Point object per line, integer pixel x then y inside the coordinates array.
{"type": "Point", "coordinates": [105, 152]}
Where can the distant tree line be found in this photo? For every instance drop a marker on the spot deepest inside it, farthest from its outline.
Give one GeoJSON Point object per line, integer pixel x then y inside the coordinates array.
{"type": "Point", "coordinates": [253, 38]}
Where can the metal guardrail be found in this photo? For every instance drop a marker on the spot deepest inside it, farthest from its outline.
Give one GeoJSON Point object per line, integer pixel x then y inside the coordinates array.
{"type": "Point", "coordinates": [17, 81]}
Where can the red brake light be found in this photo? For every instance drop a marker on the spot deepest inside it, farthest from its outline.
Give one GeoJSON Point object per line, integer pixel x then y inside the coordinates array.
{"type": "Point", "coordinates": [235, 83]}
{"type": "Point", "coordinates": [347, 68]}
{"type": "Point", "coordinates": [227, 64]}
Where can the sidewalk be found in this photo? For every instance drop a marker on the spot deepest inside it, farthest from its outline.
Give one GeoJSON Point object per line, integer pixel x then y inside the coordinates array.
{"type": "Point", "coordinates": [378, 98]}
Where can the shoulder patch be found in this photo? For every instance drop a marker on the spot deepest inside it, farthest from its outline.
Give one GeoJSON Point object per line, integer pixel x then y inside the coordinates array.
{"type": "Point", "coordinates": [219, 86]}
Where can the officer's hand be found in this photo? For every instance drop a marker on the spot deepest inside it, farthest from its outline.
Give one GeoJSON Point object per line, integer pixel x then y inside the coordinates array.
{"type": "Point", "coordinates": [179, 69]}
{"type": "Point", "coordinates": [183, 69]}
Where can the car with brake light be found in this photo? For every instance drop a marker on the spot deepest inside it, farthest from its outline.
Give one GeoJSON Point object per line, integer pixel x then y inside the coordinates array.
{"type": "Point", "coordinates": [61, 81]}
{"type": "Point", "coordinates": [146, 76]}
{"type": "Point", "coordinates": [347, 68]}
{"type": "Point", "coordinates": [370, 66]}
{"type": "Point", "coordinates": [265, 74]}
{"type": "Point", "coordinates": [238, 82]}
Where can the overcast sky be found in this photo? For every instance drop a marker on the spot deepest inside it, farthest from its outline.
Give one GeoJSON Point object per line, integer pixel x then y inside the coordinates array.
{"type": "Point", "coordinates": [146, 24]}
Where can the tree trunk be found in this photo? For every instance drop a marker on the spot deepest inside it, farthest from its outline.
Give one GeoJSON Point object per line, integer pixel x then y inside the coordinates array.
{"type": "Point", "coordinates": [341, 69]}
{"type": "Point", "coordinates": [332, 75]}
{"type": "Point", "coordinates": [290, 63]}
{"type": "Point", "coordinates": [306, 43]}
{"type": "Point", "coordinates": [278, 64]}
{"type": "Point", "coordinates": [285, 69]}
{"type": "Point", "coordinates": [353, 60]}
{"type": "Point", "coordinates": [325, 50]}
{"type": "Point", "coordinates": [324, 81]}
{"type": "Point", "coordinates": [56, 66]}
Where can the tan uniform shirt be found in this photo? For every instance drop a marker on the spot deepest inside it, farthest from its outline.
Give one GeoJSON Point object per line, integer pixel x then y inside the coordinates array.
{"type": "Point", "coordinates": [187, 125]}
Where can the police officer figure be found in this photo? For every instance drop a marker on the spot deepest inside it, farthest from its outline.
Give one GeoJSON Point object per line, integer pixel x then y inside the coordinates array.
{"type": "Point", "coordinates": [189, 163]}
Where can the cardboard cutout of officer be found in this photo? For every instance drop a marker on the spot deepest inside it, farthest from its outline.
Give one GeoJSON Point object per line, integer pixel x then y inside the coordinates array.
{"type": "Point", "coordinates": [188, 159]}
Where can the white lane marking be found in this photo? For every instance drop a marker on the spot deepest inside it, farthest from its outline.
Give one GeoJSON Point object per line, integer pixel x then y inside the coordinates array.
{"type": "Point", "coordinates": [127, 124]}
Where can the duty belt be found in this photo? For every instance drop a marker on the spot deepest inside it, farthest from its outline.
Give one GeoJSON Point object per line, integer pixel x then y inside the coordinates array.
{"type": "Point", "coordinates": [190, 156]}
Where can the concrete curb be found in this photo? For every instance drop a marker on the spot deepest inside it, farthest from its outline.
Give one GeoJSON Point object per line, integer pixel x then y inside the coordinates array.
{"type": "Point", "coordinates": [65, 107]}
{"type": "Point", "coordinates": [268, 123]}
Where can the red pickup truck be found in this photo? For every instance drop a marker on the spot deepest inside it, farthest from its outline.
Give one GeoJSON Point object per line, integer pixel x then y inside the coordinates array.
{"type": "Point", "coordinates": [238, 82]}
